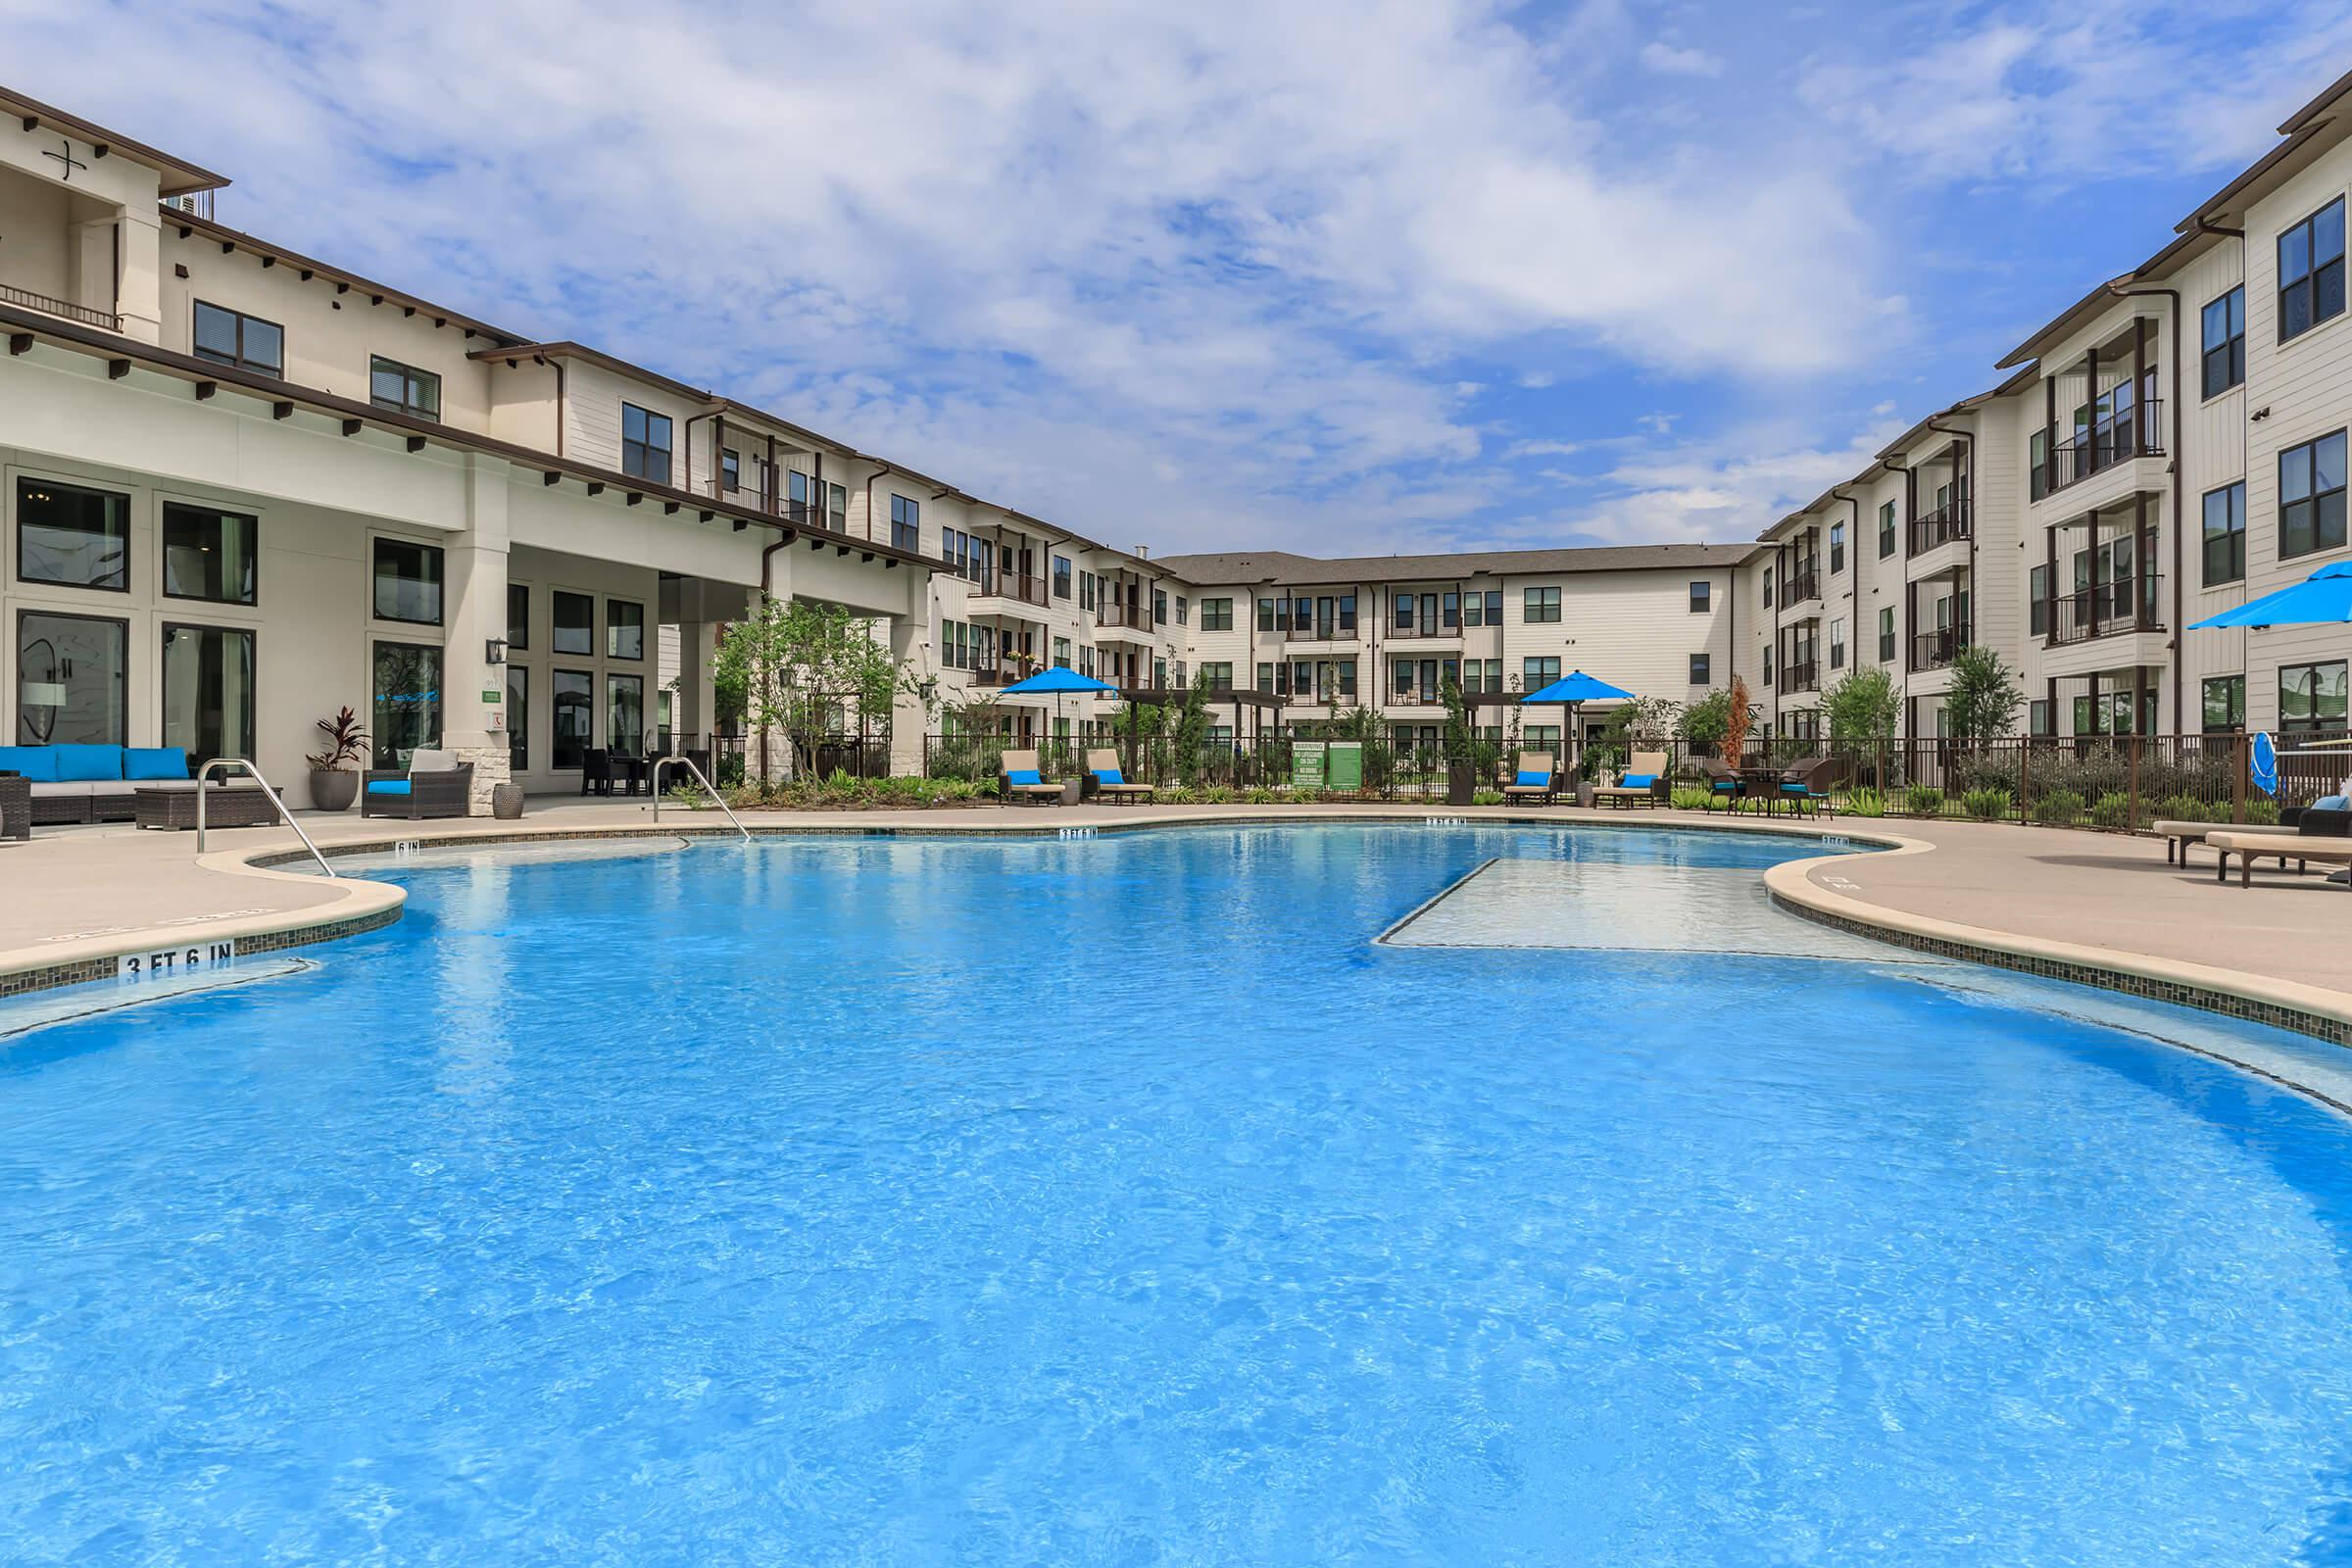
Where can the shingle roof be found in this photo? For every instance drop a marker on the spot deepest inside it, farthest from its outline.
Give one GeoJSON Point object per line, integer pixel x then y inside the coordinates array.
{"type": "Point", "coordinates": [1278, 565]}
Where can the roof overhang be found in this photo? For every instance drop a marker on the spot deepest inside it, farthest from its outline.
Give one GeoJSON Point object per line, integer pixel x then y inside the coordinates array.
{"type": "Point", "coordinates": [178, 177]}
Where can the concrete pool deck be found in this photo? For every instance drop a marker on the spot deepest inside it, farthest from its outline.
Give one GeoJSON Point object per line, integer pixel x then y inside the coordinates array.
{"type": "Point", "coordinates": [2050, 899]}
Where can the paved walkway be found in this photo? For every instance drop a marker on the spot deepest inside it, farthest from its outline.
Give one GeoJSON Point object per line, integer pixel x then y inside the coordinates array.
{"type": "Point", "coordinates": [89, 890]}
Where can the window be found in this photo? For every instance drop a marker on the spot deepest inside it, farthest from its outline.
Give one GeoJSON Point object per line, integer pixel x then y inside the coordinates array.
{"type": "Point", "coordinates": [1837, 644]}
{"type": "Point", "coordinates": [407, 582]}
{"type": "Point", "coordinates": [1184, 610]}
{"type": "Point", "coordinates": [1537, 673]}
{"type": "Point", "coordinates": [2224, 703]}
{"type": "Point", "coordinates": [1481, 609]}
{"type": "Point", "coordinates": [644, 444]}
{"type": "Point", "coordinates": [67, 534]}
{"type": "Point", "coordinates": [1159, 606]}
{"type": "Point", "coordinates": [1541, 605]}
{"type": "Point", "coordinates": [2310, 496]}
{"type": "Point", "coordinates": [1702, 669]}
{"type": "Point", "coordinates": [1062, 652]}
{"type": "Point", "coordinates": [730, 476]}
{"type": "Point", "coordinates": [2037, 602]}
{"type": "Point", "coordinates": [1216, 614]}
{"type": "Point", "coordinates": [1346, 613]}
{"type": "Point", "coordinates": [1701, 594]}
{"type": "Point", "coordinates": [208, 700]}
{"type": "Point", "coordinates": [231, 337]}
{"type": "Point", "coordinates": [407, 707]}
{"type": "Point", "coordinates": [2226, 535]}
{"type": "Point", "coordinates": [1062, 576]}
{"type": "Point", "coordinates": [404, 388]}
{"type": "Point", "coordinates": [209, 555]}
{"type": "Point", "coordinates": [2037, 464]}
{"type": "Point", "coordinates": [1885, 641]}
{"type": "Point", "coordinates": [1087, 598]}
{"type": "Point", "coordinates": [624, 630]}
{"type": "Point", "coordinates": [906, 523]}
{"type": "Point", "coordinates": [518, 616]}
{"type": "Point", "coordinates": [625, 713]}
{"type": "Point", "coordinates": [1347, 669]}
{"type": "Point", "coordinates": [837, 508]}
{"type": "Point", "coordinates": [1265, 677]}
{"type": "Point", "coordinates": [1453, 610]}
{"type": "Point", "coordinates": [1403, 603]}
{"type": "Point", "coordinates": [72, 680]}
{"type": "Point", "coordinates": [1217, 676]}
{"type": "Point", "coordinates": [1767, 587]}
{"type": "Point", "coordinates": [2225, 342]}
{"type": "Point", "coordinates": [1837, 548]}
{"type": "Point", "coordinates": [2311, 271]}
{"type": "Point", "coordinates": [574, 709]}
{"type": "Point", "coordinates": [2039, 715]}
{"type": "Point", "coordinates": [2311, 696]}
{"type": "Point", "coordinates": [518, 717]}
{"type": "Point", "coordinates": [575, 623]}
{"type": "Point", "coordinates": [1886, 529]}
{"type": "Point", "coordinates": [1767, 667]}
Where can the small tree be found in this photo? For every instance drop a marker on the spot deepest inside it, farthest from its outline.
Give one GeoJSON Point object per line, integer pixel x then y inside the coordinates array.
{"type": "Point", "coordinates": [1707, 721]}
{"type": "Point", "coordinates": [809, 670]}
{"type": "Point", "coordinates": [1983, 702]}
{"type": "Point", "coordinates": [1862, 709]}
{"type": "Point", "coordinates": [1737, 722]}
{"type": "Point", "coordinates": [1646, 722]}
{"type": "Point", "coordinates": [1191, 730]}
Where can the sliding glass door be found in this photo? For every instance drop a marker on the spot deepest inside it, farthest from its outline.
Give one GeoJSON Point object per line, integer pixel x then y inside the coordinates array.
{"type": "Point", "coordinates": [208, 698]}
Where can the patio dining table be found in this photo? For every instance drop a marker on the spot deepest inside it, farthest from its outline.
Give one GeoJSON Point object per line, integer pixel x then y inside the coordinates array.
{"type": "Point", "coordinates": [632, 772]}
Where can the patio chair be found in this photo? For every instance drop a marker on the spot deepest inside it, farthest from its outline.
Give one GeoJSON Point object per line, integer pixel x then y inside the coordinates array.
{"type": "Point", "coordinates": [436, 784]}
{"type": "Point", "coordinates": [1643, 783]}
{"type": "Point", "coordinates": [595, 770]}
{"type": "Point", "coordinates": [1020, 778]}
{"type": "Point", "coordinates": [1106, 779]}
{"type": "Point", "coordinates": [1538, 782]}
{"type": "Point", "coordinates": [1724, 783]}
{"type": "Point", "coordinates": [1808, 784]}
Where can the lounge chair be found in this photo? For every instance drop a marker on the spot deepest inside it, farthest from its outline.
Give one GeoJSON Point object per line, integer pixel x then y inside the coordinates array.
{"type": "Point", "coordinates": [1724, 783]}
{"type": "Point", "coordinates": [1807, 785]}
{"type": "Point", "coordinates": [1020, 778]}
{"type": "Point", "coordinates": [2323, 832]}
{"type": "Point", "coordinates": [2182, 837]}
{"type": "Point", "coordinates": [1537, 783]}
{"type": "Point", "coordinates": [1107, 780]}
{"type": "Point", "coordinates": [1643, 783]}
{"type": "Point", "coordinates": [434, 784]}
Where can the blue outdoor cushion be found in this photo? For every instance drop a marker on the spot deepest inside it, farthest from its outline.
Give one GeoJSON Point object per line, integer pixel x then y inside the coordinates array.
{"type": "Point", "coordinates": [1532, 780]}
{"type": "Point", "coordinates": [388, 786]}
{"type": "Point", "coordinates": [1726, 785]}
{"type": "Point", "coordinates": [1110, 775]}
{"type": "Point", "coordinates": [147, 764]}
{"type": "Point", "coordinates": [2333, 802]}
{"type": "Point", "coordinates": [1639, 781]}
{"type": "Point", "coordinates": [38, 763]}
{"type": "Point", "coordinates": [88, 765]}
{"type": "Point", "coordinates": [1023, 776]}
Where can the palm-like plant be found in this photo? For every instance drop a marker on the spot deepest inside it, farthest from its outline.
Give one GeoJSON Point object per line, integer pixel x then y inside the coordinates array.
{"type": "Point", "coordinates": [1734, 729]}
{"type": "Point", "coordinates": [346, 743]}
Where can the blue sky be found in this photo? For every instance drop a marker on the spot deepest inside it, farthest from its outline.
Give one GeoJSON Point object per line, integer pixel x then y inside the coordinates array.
{"type": "Point", "coordinates": [1391, 274]}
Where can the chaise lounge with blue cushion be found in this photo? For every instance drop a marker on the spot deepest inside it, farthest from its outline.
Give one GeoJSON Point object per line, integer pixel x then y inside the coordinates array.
{"type": "Point", "coordinates": [1020, 778]}
{"type": "Point", "coordinates": [1537, 783]}
{"type": "Point", "coordinates": [434, 784]}
{"type": "Point", "coordinates": [1643, 783]}
{"type": "Point", "coordinates": [1107, 780]}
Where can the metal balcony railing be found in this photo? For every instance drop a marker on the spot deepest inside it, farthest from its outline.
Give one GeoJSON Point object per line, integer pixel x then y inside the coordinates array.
{"type": "Point", "coordinates": [2108, 610]}
{"type": "Point", "coordinates": [1801, 586]}
{"type": "Point", "coordinates": [51, 304]}
{"type": "Point", "coordinates": [1933, 649]}
{"type": "Point", "coordinates": [1946, 523]}
{"type": "Point", "coordinates": [2126, 434]}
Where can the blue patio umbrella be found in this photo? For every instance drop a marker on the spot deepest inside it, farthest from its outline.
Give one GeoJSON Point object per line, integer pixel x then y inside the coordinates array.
{"type": "Point", "coordinates": [1056, 679]}
{"type": "Point", "coordinates": [2262, 768]}
{"type": "Point", "coordinates": [1573, 690]}
{"type": "Point", "coordinates": [2322, 599]}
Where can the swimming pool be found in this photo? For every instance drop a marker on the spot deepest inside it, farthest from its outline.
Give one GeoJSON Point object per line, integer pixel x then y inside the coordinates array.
{"type": "Point", "coordinates": [905, 1199]}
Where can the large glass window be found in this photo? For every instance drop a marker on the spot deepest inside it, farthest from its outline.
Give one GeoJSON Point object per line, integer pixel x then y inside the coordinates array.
{"type": "Point", "coordinates": [624, 630]}
{"type": "Point", "coordinates": [404, 388]}
{"type": "Point", "coordinates": [1062, 576]}
{"type": "Point", "coordinates": [2311, 697]}
{"type": "Point", "coordinates": [625, 713]}
{"type": "Point", "coordinates": [1837, 548]}
{"type": "Point", "coordinates": [2311, 271]}
{"type": "Point", "coordinates": [208, 696]}
{"type": "Point", "coordinates": [2310, 496]}
{"type": "Point", "coordinates": [210, 555]}
{"type": "Point", "coordinates": [574, 710]}
{"type": "Point", "coordinates": [2226, 535]}
{"type": "Point", "coordinates": [1542, 605]}
{"type": "Point", "coordinates": [905, 522]}
{"type": "Point", "coordinates": [519, 615]}
{"type": "Point", "coordinates": [70, 680]}
{"type": "Point", "coordinates": [231, 337]}
{"type": "Point", "coordinates": [2225, 342]}
{"type": "Point", "coordinates": [407, 702]}
{"type": "Point", "coordinates": [1537, 673]}
{"type": "Point", "coordinates": [1886, 529]}
{"type": "Point", "coordinates": [1885, 641]}
{"type": "Point", "coordinates": [1216, 614]}
{"type": "Point", "coordinates": [518, 717]}
{"type": "Point", "coordinates": [644, 444]}
{"type": "Point", "coordinates": [66, 534]}
{"type": "Point", "coordinates": [575, 622]}
{"type": "Point", "coordinates": [407, 582]}
{"type": "Point", "coordinates": [2224, 703]}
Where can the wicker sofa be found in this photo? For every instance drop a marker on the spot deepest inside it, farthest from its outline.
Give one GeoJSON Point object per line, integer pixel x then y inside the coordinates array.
{"type": "Point", "coordinates": [73, 784]}
{"type": "Point", "coordinates": [433, 784]}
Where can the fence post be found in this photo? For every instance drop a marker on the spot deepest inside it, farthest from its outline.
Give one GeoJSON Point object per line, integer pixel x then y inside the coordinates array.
{"type": "Point", "coordinates": [2132, 818]}
{"type": "Point", "coordinates": [2024, 751]}
{"type": "Point", "coordinates": [2241, 753]}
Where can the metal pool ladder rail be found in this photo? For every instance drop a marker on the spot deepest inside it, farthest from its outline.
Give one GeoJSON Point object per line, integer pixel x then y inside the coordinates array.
{"type": "Point", "coordinates": [687, 762]}
{"type": "Point", "coordinates": [238, 761]}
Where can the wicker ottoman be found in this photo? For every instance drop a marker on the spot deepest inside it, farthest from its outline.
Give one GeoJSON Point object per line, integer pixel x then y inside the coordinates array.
{"type": "Point", "coordinates": [230, 807]}
{"type": "Point", "coordinates": [16, 807]}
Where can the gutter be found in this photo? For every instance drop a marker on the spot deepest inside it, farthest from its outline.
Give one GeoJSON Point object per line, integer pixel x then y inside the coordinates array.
{"type": "Point", "coordinates": [2179, 643]}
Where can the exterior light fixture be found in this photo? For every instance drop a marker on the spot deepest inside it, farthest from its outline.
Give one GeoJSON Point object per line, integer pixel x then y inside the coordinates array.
{"type": "Point", "coordinates": [494, 651]}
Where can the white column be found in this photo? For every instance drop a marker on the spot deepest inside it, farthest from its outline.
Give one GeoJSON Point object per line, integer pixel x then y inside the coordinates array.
{"type": "Point", "coordinates": [474, 691]}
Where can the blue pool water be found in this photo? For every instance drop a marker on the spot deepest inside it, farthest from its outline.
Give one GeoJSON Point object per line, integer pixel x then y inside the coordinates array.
{"type": "Point", "coordinates": [906, 1201]}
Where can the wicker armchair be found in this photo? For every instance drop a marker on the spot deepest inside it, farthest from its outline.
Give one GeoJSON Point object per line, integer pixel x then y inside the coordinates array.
{"type": "Point", "coordinates": [435, 784]}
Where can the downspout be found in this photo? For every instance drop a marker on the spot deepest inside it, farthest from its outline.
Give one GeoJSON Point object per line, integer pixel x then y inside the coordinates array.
{"type": "Point", "coordinates": [2245, 436]}
{"type": "Point", "coordinates": [1902, 605]}
{"type": "Point", "coordinates": [707, 414]}
{"type": "Point", "coordinates": [1854, 543]}
{"type": "Point", "coordinates": [2173, 373]}
{"type": "Point", "coordinates": [1976, 584]}
{"type": "Point", "coordinates": [880, 469]}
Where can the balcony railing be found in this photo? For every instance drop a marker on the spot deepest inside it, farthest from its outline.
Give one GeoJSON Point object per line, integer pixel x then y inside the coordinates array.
{"type": "Point", "coordinates": [1943, 525]}
{"type": "Point", "coordinates": [1801, 586]}
{"type": "Point", "coordinates": [1421, 629]}
{"type": "Point", "coordinates": [2128, 433]}
{"type": "Point", "coordinates": [51, 304]}
{"type": "Point", "coordinates": [1802, 676]}
{"type": "Point", "coordinates": [2109, 610]}
{"type": "Point", "coordinates": [1111, 613]}
{"type": "Point", "coordinates": [1013, 586]}
{"type": "Point", "coordinates": [1933, 649]}
{"type": "Point", "coordinates": [1320, 631]}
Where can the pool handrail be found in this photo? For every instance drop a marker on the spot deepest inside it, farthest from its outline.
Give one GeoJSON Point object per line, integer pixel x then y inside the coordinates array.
{"type": "Point", "coordinates": [287, 815]}
{"type": "Point", "coordinates": [687, 762]}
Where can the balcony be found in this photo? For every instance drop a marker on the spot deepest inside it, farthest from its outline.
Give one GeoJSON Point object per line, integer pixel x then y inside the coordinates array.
{"type": "Point", "coordinates": [1934, 649]}
{"type": "Point", "coordinates": [2128, 433]}
{"type": "Point", "coordinates": [2108, 610]}
{"type": "Point", "coordinates": [1944, 526]}
{"type": "Point", "coordinates": [1320, 631]}
{"type": "Point", "coordinates": [1408, 630]}
{"type": "Point", "coordinates": [1801, 586]}
{"type": "Point", "coordinates": [26, 299]}
{"type": "Point", "coordinates": [1111, 613]}
{"type": "Point", "coordinates": [1803, 675]}
{"type": "Point", "coordinates": [1020, 589]}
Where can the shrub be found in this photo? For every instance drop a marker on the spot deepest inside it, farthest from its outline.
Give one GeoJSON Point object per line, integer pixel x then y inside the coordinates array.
{"type": "Point", "coordinates": [1492, 798]}
{"type": "Point", "coordinates": [1690, 798]}
{"type": "Point", "coordinates": [2187, 809]}
{"type": "Point", "coordinates": [2058, 808]}
{"type": "Point", "coordinates": [1217, 794]}
{"type": "Point", "coordinates": [1177, 794]}
{"type": "Point", "coordinates": [1865, 803]}
{"type": "Point", "coordinates": [2111, 811]}
{"type": "Point", "coordinates": [1924, 800]}
{"type": "Point", "coordinates": [1260, 795]}
{"type": "Point", "coordinates": [1987, 805]}
{"type": "Point", "coordinates": [2262, 813]}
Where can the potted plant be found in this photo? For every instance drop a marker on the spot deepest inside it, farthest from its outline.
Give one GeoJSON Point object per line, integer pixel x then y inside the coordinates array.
{"type": "Point", "coordinates": [334, 782]}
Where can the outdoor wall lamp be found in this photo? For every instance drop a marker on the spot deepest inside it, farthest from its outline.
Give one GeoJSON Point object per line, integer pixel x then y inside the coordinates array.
{"type": "Point", "coordinates": [494, 651]}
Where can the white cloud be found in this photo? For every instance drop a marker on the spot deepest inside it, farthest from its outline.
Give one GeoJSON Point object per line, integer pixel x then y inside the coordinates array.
{"type": "Point", "coordinates": [1536, 381]}
{"type": "Point", "coordinates": [1666, 58]}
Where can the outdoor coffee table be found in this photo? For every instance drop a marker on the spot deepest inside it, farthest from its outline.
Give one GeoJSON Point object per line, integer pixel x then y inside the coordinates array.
{"type": "Point", "coordinates": [236, 805]}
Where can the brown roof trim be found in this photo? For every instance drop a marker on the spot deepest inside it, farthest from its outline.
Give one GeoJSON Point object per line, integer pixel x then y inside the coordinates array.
{"type": "Point", "coordinates": [2220, 201]}
{"type": "Point", "coordinates": [189, 223]}
{"type": "Point", "coordinates": [187, 366]}
{"type": "Point", "coordinates": [181, 177]}
{"type": "Point", "coordinates": [565, 349]}
{"type": "Point", "coordinates": [2311, 111]}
